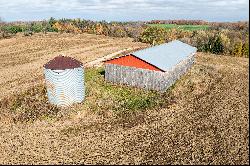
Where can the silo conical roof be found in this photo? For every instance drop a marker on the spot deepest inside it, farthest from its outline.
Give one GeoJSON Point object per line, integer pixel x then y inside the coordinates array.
{"type": "Point", "coordinates": [62, 62]}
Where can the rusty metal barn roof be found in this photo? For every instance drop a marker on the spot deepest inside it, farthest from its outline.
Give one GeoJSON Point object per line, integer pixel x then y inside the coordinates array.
{"type": "Point", "coordinates": [62, 62]}
{"type": "Point", "coordinates": [167, 55]}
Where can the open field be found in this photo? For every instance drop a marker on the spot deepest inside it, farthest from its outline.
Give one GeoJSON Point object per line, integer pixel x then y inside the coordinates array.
{"type": "Point", "coordinates": [183, 27]}
{"type": "Point", "coordinates": [22, 58]}
{"type": "Point", "coordinates": [203, 119]}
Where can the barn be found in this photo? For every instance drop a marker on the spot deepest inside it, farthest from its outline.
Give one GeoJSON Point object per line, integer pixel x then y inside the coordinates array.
{"type": "Point", "coordinates": [154, 68]}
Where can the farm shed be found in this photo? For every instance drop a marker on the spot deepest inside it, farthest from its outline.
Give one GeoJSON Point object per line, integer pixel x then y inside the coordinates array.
{"type": "Point", "coordinates": [154, 68]}
{"type": "Point", "coordinates": [64, 78]}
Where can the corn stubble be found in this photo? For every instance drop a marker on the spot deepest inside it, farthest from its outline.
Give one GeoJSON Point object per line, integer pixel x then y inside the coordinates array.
{"type": "Point", "coordinates": [202, 119]}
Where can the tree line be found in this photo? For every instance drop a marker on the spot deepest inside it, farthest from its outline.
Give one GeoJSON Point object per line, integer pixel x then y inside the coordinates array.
{"type": "Point", "coordinates": [221, 38]}
{"type": "Point", "coordinates": [239, 25]}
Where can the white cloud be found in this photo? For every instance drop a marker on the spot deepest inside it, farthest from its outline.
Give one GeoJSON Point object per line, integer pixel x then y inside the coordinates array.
{"type": "Point", "coordinates": [181, 8]}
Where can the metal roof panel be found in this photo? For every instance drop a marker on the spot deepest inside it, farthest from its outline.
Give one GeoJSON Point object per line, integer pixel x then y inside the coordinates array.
{"type": "Point", "coordinates": [166, 55]}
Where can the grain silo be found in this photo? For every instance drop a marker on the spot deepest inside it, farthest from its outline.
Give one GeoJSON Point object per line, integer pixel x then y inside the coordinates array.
{"type": "Point", "coordinates": [64, 78]}
{"type": "Point", "coordinates": [155, 68]}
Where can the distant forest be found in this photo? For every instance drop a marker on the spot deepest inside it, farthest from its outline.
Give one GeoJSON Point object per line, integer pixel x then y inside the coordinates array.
{"type": "Point", "coordinates": [228, 38]}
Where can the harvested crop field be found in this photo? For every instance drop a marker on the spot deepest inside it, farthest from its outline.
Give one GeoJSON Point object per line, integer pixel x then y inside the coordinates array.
{"type": "Point", "coordinates": [22, 57]}
{"type": "Point", "coordinates": [203, 119]}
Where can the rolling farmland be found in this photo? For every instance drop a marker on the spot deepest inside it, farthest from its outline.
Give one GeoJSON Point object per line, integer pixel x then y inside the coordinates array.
{"type": "Point", "coordinates": [202, 119]}
{"type": "Point", "coordinates": [22, 58]}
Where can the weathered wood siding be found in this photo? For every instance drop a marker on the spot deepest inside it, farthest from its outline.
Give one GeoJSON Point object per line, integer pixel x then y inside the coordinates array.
{"type": "Point", "coordinates": [147, 79]}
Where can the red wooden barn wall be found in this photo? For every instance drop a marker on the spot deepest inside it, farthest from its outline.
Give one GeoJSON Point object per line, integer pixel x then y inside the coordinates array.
{"type": "Point", "coordinates": [132, 61]}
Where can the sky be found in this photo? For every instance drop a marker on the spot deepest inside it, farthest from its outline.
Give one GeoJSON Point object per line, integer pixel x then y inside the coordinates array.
{"type": "Point", "coordinates": [125, 10]}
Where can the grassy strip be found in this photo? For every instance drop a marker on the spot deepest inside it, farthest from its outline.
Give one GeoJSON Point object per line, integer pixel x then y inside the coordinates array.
{"type": "Point", "coordinates": [101, 97]}
{"type": "Point", "coordinates": [183, 27]}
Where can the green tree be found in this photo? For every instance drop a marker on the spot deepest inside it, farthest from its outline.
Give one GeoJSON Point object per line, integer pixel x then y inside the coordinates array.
{"type": "Point", "coordinates": [154, 35]}
{"type": "Point", "coordinates": [36, 27]}
{"type": "Point", "coordinates": [245, 50]}
{"type": "Point", "coordinates": [201, 40]}
{"type": "Point", "coordinates": [216, 45]}
{"type": "Point", "coordinates": [226, 43]}
{"type": "Point", "coordinates": [237, 51]}
{"type": "Point", "coordinates": [13, 29]}
{"type": "Point", "coordinates": [52, 21]}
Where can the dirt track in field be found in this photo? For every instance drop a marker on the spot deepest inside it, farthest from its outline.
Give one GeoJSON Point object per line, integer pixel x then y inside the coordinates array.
{"type": "Point", "coordinates": [22, 58]}
{"type": "Point", "coordinates": [206, 124]}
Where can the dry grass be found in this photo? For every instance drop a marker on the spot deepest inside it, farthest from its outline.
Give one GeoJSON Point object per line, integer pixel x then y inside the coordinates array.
{"type": "Point", "coordinates": [206, 122]}
{"type": "Point", "coordinates": [102, 98]}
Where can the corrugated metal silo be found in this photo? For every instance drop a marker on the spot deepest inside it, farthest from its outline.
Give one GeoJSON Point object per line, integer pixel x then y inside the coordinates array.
{"type": "Point", "coordinates": [64, 78]}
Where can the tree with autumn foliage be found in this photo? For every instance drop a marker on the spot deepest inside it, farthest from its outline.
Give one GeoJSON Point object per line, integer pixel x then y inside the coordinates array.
{"type": "Point", "coordinates": [154, 35]}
